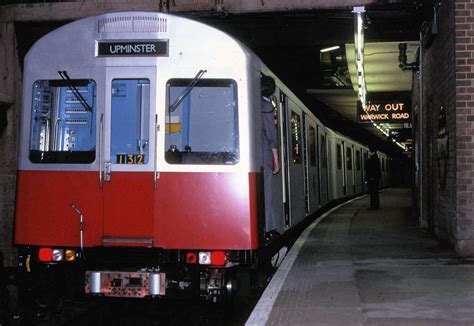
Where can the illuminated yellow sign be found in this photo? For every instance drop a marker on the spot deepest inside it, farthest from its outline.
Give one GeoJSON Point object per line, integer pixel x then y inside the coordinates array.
{"type": "Point", "coordinates": [383, 112]}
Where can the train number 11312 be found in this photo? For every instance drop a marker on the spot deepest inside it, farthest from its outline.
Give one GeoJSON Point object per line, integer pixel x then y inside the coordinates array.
{"type": "Point", "coordinates": [130, 159]}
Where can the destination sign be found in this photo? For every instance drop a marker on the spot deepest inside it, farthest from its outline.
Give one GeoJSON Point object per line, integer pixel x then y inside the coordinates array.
{"type": "Point", "coordinates": [142, 48]}
{"type": "Point", "coordinates": [384, 112]}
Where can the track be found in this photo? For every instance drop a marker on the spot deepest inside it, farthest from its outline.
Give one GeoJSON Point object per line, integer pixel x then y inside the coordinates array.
{"type": "Point", "coordinates": [108, 311]}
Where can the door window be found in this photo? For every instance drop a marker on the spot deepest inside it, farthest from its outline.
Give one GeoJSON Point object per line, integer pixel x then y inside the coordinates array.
{"type": "Point", "coordinates": [339, 156]}
{"type": "Point", "coordinates": [324, 153]}
{"type": "Point", "coordinates": [312, 146]}
{"type": "Point", "coordinates": [296, 137]}
{"type": "Point", "coordinates": [358, 158]}
{"type": "Point", "coordinates": [130, 121]}
{"type": "Point", "coordinates": [349, 158]}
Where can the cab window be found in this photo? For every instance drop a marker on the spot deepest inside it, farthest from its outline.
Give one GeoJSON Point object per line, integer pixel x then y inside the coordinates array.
{"type": "Point", "coordinates": [63, 122]}
{"type": "Point", "coordinates": [202, 122]}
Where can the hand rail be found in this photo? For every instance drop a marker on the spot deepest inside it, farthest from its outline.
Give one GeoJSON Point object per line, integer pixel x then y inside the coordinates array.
{"type": "Point", "coordinates": [81, 228]}
{"type": "Point", "coordinates": [101, 132]}
{"type": "Point", "coordinates": [155, 165]}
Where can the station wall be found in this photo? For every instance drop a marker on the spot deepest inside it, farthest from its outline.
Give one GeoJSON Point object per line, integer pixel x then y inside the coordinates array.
{"type": "Point", "coordinates": [444, 142]}
{"type": "Point", "coordinates": [10, 97]}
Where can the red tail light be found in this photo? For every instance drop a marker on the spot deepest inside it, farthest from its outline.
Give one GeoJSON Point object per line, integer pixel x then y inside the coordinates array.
{"type": "Point", "coordinates": [45, 254]}
{"type": "Point", "coordinates": [218, 258]}
{"type": "Point", "coordinates": [191, 258]}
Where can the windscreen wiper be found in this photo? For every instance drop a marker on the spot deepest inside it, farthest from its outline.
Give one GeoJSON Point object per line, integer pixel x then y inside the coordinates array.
{"type": "Point", "coordinates": [74, 90]}
{"type": "Point", "coordinates": [188, 89]}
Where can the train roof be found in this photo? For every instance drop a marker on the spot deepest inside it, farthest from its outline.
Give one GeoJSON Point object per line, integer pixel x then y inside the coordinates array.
{"type": "Point", "coordinates": [79, 38]}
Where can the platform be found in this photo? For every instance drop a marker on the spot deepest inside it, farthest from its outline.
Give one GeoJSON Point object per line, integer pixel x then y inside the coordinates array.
{"type": "Point", "coordinates": [354, 266]}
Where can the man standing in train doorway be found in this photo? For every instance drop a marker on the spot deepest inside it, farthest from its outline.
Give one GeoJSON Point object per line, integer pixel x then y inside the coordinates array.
{"type": "Point", "coordinates": [271, 165]}
{"type": "Point", "coordinates": [372, 177]}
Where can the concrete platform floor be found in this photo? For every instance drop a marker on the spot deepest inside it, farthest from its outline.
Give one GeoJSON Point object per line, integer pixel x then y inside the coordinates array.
{"type": "Point", "coordinates": [360, 267]}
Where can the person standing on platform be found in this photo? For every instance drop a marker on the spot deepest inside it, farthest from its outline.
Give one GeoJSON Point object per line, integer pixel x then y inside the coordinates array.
{"type": "Point", "coordinates": [372, 177]}
{"type": "Point", "coordinates": [271, 165]}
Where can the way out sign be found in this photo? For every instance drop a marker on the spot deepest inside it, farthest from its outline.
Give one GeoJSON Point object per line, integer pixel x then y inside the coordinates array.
{"type": "Point", "coordinates": [383, 112]}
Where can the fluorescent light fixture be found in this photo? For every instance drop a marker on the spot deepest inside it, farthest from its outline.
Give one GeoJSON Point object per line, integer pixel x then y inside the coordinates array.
{"type": "Point", "coordinates": [332, 48]}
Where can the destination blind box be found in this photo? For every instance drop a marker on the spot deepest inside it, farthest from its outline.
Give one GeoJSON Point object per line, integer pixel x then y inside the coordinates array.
{"type": "Point", "coordinates": [142, 48]}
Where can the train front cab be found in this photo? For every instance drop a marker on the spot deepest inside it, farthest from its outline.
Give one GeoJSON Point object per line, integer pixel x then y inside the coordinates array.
{"type": "Point", "coordinates": [128, 172]}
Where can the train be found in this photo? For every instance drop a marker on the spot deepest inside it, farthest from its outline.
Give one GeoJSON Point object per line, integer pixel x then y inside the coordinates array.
{"type": "Point", "coordinates": [140, 160]}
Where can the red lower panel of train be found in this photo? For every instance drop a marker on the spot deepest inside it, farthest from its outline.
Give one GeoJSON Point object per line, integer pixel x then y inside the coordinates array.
{"type": "Point", "coordinates": [185, 211]}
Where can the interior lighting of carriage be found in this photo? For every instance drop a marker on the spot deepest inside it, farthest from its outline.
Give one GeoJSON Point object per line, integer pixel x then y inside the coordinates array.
{"type": "Point", "coordinates": [331, 48]}
{"type": "Point", "coordinates": [45, 254]}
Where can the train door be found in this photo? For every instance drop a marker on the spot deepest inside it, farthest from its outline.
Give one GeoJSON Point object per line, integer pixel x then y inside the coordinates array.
{"type": "Point", "coordinates": [358, 171]}
{"type": "Point", "coordinates": [365, 157]}
{"type": "Point", "coordinates": [344, 169]}
{"type": "Point", "coordinates": [323, 167]}
{"type": "Point", "coordinates": [127, 157]}
{"type": "Point", "coordinates": [296, 162]}
{"type": "Point", "coordinates": [384, 172]}
{"type": "Point", "coordinates": [284, 149]}
{"type": "Point", "coordinates": [311, 166]}
{"type": "Point", "coordinates": [339, 184]}
{"type": "Point", "coordinates": [349, 170]}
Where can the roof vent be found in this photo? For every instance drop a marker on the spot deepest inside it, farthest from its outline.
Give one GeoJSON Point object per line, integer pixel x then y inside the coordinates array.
{"type": "Point", "coordinates": [132, 24]}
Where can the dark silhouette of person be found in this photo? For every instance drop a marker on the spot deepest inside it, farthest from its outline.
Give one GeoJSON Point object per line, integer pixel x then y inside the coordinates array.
{"type": "Point", "coordinates": [372, 177]}
{"type": "Point", "coordinates": [271, 164]}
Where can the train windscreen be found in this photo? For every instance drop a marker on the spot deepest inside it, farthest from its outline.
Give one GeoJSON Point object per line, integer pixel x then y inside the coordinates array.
{"type": "Point", "coordinates": [203, 128]}
{"type": "Point", "coordinates": [63, 121]}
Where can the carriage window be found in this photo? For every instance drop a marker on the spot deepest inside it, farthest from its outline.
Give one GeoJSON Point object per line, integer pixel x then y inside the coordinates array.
{"type": "Point", "coordinates": [130, 121]}
{"type": "Point", "coordinates": [203, 128]}
{"type": "Point", "coordinates": [324, 153]}
{"type": "Point", "coordinates": [296, 137]}
{"type": "Point", "coordinates": [63, 121]}
{"type": "Point", "coordinates": [312, 146]}
{"type": "Point", "coordinates": [358, 165]}
{"type": "Point", "coordinates": [349, 158]}
{"type": "Point", "coordinates": [339, 156]}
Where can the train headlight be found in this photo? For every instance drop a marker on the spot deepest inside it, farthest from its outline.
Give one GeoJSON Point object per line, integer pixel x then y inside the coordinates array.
{"type": "Point", "coordinates": [204, 258]}
{"type": "Point", "coordinates": [58, 254]}
{"type": "Point", "coordinates": [70, 255]}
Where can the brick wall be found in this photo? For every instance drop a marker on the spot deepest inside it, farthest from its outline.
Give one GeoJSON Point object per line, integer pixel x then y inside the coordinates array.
{"type": "Point", "coordinates": [463, 226]}
{"type": "Point", "coordinates": [448, 73]}
{"type": "Point", "coordinates": [439, 90]}
{"type": "Point", "coordinates": [10, 97]}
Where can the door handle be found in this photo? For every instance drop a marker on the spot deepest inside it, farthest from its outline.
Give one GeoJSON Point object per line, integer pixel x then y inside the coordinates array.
{"type": "Point", "coordinates": [107, 170]}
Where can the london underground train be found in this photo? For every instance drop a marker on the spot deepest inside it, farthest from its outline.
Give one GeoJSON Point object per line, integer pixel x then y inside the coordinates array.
{"type": "Point", "coordinates": [140, 159]}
